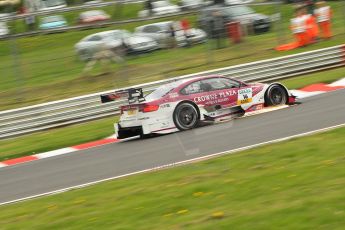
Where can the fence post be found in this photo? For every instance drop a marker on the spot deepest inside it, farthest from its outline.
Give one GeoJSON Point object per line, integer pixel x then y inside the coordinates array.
{"type": "Point", "coordinates": [16, 61]}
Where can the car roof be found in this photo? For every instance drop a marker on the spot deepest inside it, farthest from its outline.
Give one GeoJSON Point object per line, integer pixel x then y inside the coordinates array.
{"type": "Point", "coordinates": [221, 7]}
{"type": "Point", "coordinates": [53, 16]}
{"type": "Point", "coordinates": [186, 81]}
{"type": "Point", "coordinates": [92, 12]}
{"type": "Point", "coordinates": [157, 24]}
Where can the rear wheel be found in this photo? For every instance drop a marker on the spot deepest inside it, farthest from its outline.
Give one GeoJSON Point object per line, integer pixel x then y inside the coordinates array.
{"type": "Point", "coordinates": [185, 116]}
{"type": "Point", "coordinates": [84, 55]}
{"type": "Point", "coordinates": [276, 95]}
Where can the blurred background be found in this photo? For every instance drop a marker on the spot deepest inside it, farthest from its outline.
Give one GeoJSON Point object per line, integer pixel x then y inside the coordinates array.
{"type": "Point", "coordinates": [56, 49]}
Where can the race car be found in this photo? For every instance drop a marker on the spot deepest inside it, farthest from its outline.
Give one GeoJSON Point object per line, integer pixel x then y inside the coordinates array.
{"type": "Point", "coordinates": [183, 104]}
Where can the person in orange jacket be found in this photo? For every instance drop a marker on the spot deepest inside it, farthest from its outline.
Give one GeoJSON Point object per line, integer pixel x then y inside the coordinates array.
{"type": "Point", "coordinates": [324, 14]}
{"type": "Point", "coordinates": [299, 27]}
{"type": "Point", "coordinates": [312, 30]}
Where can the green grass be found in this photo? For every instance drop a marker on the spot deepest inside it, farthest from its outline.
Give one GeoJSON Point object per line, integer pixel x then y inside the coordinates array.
{"type": "Point", "coordinates": [296, 184]}
{"type": "Point", "coordinates": [56, 138]}
{"type": "Point", "coordinates": [77, 134]}
{"type": "Point", "coordinates": [47, 68]}
{"type": "Point", "coordinates": [320, 77]}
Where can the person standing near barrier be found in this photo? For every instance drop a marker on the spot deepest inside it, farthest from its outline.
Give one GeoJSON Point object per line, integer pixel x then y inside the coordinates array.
{"type": "Point", "coordinates": [217, 28]}
{"type": "Point", "coordinates": [299, 27]}
{"type": "Point", "coordinates": [323, 14]}
{"type": "Point", "coordinates": [172, 37]}
{"type": "Point", "coordinates": [312, 30]}
{"type": "Point", "coordinates": [184, 23]}
{"type": "Point", "coordinates": [149, 7]}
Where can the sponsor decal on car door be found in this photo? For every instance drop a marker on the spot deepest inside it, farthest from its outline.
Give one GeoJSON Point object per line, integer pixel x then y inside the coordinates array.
{"type": "Point", "coordinates": [244, 96]}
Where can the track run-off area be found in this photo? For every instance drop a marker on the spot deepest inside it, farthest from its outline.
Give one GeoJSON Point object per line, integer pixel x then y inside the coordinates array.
{"type": "Point", "coordinates": [90, 166]}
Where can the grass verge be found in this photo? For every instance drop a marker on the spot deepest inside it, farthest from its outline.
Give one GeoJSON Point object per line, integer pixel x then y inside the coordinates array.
{"type": "Point", "coordinates": [95, 130]}
{"type": "Point", "coordinates": [56, 138]}
{"type": "Point", "coordinates": [296, 184]}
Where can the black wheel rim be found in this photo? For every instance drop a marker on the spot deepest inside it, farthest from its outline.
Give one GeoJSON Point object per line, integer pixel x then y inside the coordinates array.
{"type": "Point", "coordinates": [187, 117]}
{"type": "Point", "coordinates": [277, 96]}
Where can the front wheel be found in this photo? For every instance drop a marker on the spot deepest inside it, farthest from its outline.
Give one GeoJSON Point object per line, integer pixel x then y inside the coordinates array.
{"type": "Point", "coordinates": [276, 95]}
{"type": "Point", "coordinates": [185, 116]}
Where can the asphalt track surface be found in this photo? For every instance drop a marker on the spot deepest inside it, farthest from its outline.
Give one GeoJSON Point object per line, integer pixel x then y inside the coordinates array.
{"type": "Point", "coordinates": [116, 159]}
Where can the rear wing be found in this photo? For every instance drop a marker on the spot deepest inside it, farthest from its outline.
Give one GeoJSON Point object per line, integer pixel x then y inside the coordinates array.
{"type": "Point", "coordinates": [133, 95]}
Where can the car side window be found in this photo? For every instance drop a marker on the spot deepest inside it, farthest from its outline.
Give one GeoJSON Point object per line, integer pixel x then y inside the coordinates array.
{"type": "Point", "coordinates": [151, 29]}
{"type": "Point", "coordinates": [219, 83]}
{"type": "Point", "coordinates": [229, 83]}
{"type": "Point", "coordinates": [95, 38]}
{"type": "Point", "coordinates": [192, 88]}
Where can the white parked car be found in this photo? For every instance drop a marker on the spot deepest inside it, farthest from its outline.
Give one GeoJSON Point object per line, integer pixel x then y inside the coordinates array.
{"type": "Point", "coordinates": [161, 32]}
{"type": "Point", "coordinates": [52, 4]}
{"type": "Point", "coordinates": [3, 29]}
{"type": "Point", "coordinates": [237, 2]}
{"type": "Point", "coordinates": [3, 25]}
{"type": "Point", "coordinates": [160, 8]}
{"type": "Point", "coordinates": [113, 40]}
{"type": "Point", "coordinates": [193, 4]}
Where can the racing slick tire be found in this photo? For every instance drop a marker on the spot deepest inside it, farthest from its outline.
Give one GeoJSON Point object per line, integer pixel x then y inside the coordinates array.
{"type": "Point", "coordinates": [276, 95]}
{"type": "Point", "coordinates": [185, 116]}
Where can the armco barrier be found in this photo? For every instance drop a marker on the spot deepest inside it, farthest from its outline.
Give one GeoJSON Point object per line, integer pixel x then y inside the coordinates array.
{"type": "Point", "coordinates": [89, 107]}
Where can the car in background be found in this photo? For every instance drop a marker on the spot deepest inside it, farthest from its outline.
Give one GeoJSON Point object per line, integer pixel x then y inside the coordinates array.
{"type": "Point", "coordinates": [93, 16]}
{"type": "Point", "coordinates": [113, 40]}
{"type": "Point", "coordinates": [161, 32]}
{"type": "Point", "coordinates": [160, 8]}
{"type": "Point", "coordinates": [237, 2]}
{"type": "Point", "coordinates": [4, 29]}
{"type": "Point", "coordinates": [3, 25]}
{"type": "Point", "coordinates": [92, 2]}
{"type": "Point", "coordinates": [183, 104]}
{"type": "Point", "coordinates": [193, 4]}
{"type": "Point", "coordinates": [52, 22]}
{"type": "Point", "coordinates": [250, 20]}
{"type": "Point", "coordinates": [50, 4]}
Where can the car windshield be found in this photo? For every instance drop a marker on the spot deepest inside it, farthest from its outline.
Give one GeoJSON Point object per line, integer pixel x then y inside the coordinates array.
{"type": "Point", "coordinates": [160, 4]}
{"type": "Point", "coordinates": [238, 10]}
{"type": "Point", "coordinates": [52, 19]}
{"type": "Point", "coordinates": [192, 2]}
{"type": "Point", "coordinates": [52, 3]}
{"type": "Point", "coordinates": [116, 35]}
{"type": "Point", "coordinates": [120, 34]}
{"type": "Point", "coordinates": [92, 13]}
{"type": "Point", "coordinates": [161, 91]}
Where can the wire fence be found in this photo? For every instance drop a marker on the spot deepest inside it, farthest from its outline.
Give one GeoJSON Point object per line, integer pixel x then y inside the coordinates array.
{"type": "Point", "coordinates": [48, 67]}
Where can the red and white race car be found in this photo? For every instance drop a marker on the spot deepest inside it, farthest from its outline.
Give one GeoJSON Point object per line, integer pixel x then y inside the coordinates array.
{"type": "Point", "coordinates": [182, 104]}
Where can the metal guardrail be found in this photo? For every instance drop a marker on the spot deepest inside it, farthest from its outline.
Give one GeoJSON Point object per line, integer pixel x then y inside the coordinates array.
{"type": "Point", "coordinates": [89, 107]}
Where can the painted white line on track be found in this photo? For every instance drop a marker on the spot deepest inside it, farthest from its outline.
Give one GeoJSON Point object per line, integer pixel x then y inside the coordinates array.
{"type": "Point", "coordinates": [303, 94]}
{"type": "Point", "coordinates": [232, 151]}
{"type": "Point", "coordinates": [340, 82]}
{"type": "Point", "coordinates": [266, 110]}
{"type": "Point", "coordinates": [55, 152]}
{"type": "Point", "coordinates": [2, 165]}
